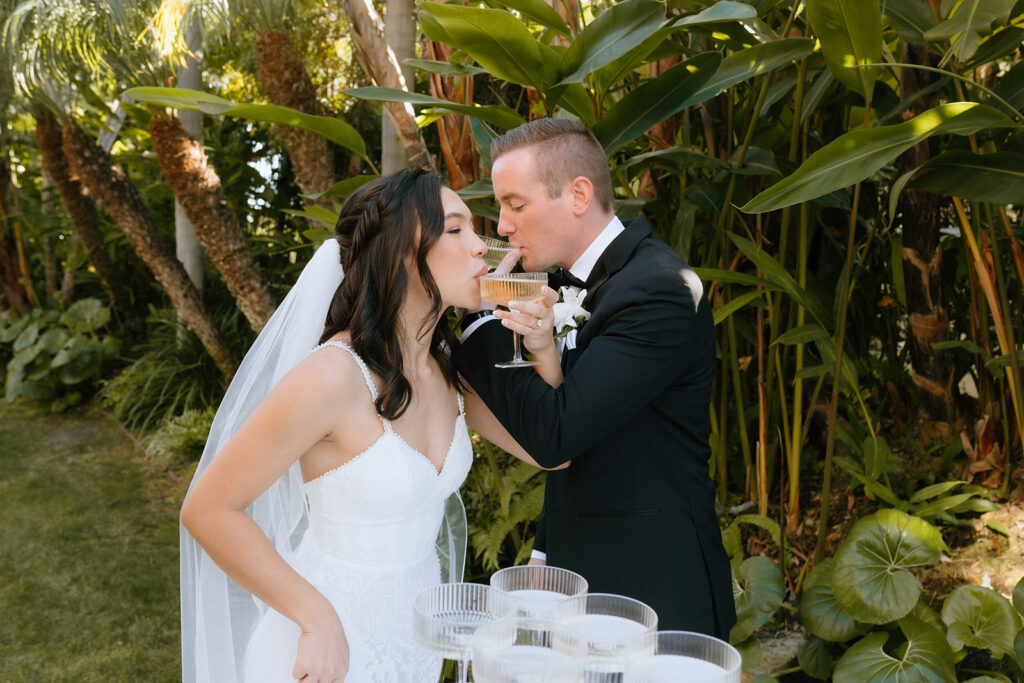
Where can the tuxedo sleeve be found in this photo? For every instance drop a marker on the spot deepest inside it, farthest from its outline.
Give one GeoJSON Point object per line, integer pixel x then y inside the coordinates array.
{"type": "Point", "coordinates": [639, 350]}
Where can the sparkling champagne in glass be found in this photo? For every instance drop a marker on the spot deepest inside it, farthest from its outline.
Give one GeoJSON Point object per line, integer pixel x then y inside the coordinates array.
{"type": "Point", "coordinates": [501, 289]}
{"type": "Point", "coordinates": [670, 656]}
{"type": "Point", "coordinates": [527, 650]}
{"type": "Point", "coordinates": [537, 589]}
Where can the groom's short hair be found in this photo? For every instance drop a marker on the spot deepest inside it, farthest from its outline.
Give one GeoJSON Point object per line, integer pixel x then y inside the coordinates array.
{"type": "Point", "coordinates": [564, 149]}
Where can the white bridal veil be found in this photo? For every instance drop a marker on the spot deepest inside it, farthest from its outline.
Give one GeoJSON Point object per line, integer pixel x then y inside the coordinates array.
{"type": "Point", "coordinates": [217, 615]}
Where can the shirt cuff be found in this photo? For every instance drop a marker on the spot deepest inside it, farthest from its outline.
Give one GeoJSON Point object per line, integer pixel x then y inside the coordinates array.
{"type": "Point", "coordinates": [539, 555]}
{"type": "Point", "coordinates": [473, 325]}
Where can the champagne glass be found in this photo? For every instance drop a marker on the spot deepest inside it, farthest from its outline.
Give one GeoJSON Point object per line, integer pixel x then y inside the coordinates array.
{"type": "Point", "coordinates": [527, 650]}
{"type": "Point", "coordinates": [610, 624]}
{"type": "Point", "coordinates": [538, 588]}
{"type": "Point", "coordinates": [500, 289]}
{"type": "Point", "coordinates": [446, 616]}
{"type": "Point", "coordinates": [670, 656]}
{"type": "Point", "coordinates": [496, 251]}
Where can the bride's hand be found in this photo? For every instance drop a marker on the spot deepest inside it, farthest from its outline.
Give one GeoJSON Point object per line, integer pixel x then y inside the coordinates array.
{"type": "Point", "coordinates": [323, 654]}
{"type": "Point", "coordinates": [534, 320]}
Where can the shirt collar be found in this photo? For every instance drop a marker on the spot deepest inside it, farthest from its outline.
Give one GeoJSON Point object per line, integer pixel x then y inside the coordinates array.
{"type": "Point", "coordinates": [585, 263]}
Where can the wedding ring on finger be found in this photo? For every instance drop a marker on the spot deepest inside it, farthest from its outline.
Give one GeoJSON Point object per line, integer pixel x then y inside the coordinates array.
{"type": "Point", "coordinates": [540, 323]}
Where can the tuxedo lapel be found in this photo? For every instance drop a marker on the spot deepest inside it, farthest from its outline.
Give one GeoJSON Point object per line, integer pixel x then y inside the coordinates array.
{"type": "Point", "coordinates": [617, 254]}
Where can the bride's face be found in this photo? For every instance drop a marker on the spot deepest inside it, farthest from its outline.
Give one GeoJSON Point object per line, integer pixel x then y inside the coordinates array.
{"type": "Point", "coordinates": [456, 260]}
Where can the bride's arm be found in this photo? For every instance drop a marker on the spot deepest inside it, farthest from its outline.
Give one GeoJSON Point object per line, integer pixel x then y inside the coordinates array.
{"type": "Point", "coordinates": [306, 405]}
{"type": "Point", "coordinates": [482, 420]}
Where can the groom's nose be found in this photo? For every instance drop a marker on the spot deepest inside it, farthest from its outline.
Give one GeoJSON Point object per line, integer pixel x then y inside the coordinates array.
{"type": "Point", "coordinates": [505, 227]}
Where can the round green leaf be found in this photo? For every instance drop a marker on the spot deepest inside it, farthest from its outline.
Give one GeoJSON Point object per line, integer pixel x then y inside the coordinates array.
{"type": "Point", "coordinates": [821, 613]}
{"type": "Point", "coordinates": [872, 579]}
{"type": "Point", "coordinates": [83, 363]}
{"type": "Point", "coordinates": [979, 617]}
{"type": "Point", "coordinates": [815, 659]}
{"type": "Point", "coordinates": [26, 338]}
{"type": "Point", "coordinates": [1018, 597]}
{"type": "Point", "coordinates": [1018, 648]}
{"type": "Point", "coordinates": [85, 315]}
{"type": "Point", "coordinates": [750, 651]}
{"type": "Point", "coordinates": [758, 592]}
{"type": "Point", "coordinates": [926, 614]}
{"type": "Point", "coordinates": [988, 679]}
{"type": "Point", "coordinates": [53, 340]}
{"type": "Point", "coordinates": [925, 657]}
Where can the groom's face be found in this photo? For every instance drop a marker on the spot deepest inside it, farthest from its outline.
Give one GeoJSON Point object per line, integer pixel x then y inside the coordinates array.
{"type": "Point", "coordinates": [534, 223]}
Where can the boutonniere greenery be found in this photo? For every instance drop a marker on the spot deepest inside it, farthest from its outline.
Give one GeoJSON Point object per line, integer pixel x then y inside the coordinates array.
{"type": "Point", "coordinates": [569, 311]}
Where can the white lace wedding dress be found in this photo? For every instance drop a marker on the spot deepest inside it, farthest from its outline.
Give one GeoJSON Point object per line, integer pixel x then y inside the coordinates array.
{"type": "Point", "coordinates": [370, 550]}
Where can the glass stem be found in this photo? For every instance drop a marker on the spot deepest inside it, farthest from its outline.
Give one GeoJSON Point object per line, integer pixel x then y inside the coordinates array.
{"type": "Point", "coordinates": [517, 344]}
{"type": "Point", "coordinates": [462, 670]}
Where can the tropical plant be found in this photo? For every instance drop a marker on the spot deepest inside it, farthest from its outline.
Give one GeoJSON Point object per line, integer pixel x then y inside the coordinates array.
{"type": "Point", "coordinates": [56, 356]}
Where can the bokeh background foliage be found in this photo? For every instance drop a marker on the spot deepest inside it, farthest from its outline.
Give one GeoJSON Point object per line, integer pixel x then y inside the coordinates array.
{"type": "Point", "coordinates": [847, 176]}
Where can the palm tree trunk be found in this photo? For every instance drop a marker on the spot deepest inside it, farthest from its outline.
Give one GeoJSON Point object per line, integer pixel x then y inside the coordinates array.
{"type": "Point", "coordinates": [400, 35]}
{"type": "Point", "coordinates": [382, 68]}
{"type": "Point", "coordinates": [10, 266]}
{"type": "Point", "coordinates": [83, 216]}
{"type": "Point", "coordinates": [287, 83]}
{"type": "Point", "coordinates": [931, 370]}
{"type": "Point", "coordinates": [107, 183]}
{"type": "Point", "coordinates": [49, 261]}
{"type": "Point", "coordinates": [458, 149]}
{"type": "Point", "coordinates": [198, 189]}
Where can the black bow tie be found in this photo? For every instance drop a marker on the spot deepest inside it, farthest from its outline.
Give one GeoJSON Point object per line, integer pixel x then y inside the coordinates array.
{"type": "Point", "coordinates": [563, 278]}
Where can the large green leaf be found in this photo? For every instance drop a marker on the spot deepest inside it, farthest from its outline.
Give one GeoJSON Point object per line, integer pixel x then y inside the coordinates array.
{"type": "Point", "coordinates": [85, 315]}
{"type": "Point", "coordinates": [748, 63]}
{"type": "Point", "coordinates": [969, 22]}
{"type": "Point", "coordinates": [821, 613]}
{"type": "Point", "coordinates": [1018, 647]}
{"type": "Point", "coordinates": [614, 33]}
{"type": "Point", "coordinates": [758, 591]}
{"type": "Point", "coordinates": [497, 41]}
{"type": "Point", "coordinates": [1011, 86]}
{"type": "Point", "coordinates": [1018, 598]}
{"type": "Point", "coordinates": [851, 34]}
{"type": "Point", "coordinates": [925, 657]}
{"type": "Point", "coordinates": [537, 10]}
{"type": "Point", "coordinates": [910, 18]}
{"type": "Point", "coordinates": [498, 114]}
{"type": "Point", "coordinates": [979, 617]}
{"type": "Point", "coordinates": [815, 659]}
{"type": "Point", "coordinates": [444, 68]}
{"type": "Point", "coordinates": [724, 10]}
{"type": "Point", "coordinates": [855, 156]}
{"type": "Point", "coordinates": [611, 75]}
{"type": "Point", "coordinates": [681, 157]}
{"type": "Point", "coordinates": [654, 101]}
{"type": "Point", "coordinates": [333, 129]}
{"type": "Point", "coordinates": [872, 578]}
{"type": "Point", "coordinates": [996, 178]}
{"type": "Point", "coordinates": [781, 279]}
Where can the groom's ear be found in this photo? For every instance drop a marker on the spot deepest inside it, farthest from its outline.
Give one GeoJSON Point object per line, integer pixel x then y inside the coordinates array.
{"type": "Point", "coordinates": [581, 190]}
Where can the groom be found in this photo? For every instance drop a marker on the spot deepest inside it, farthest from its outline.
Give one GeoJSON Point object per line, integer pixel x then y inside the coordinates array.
{"type": "Point", "coordinates": [634, 513]}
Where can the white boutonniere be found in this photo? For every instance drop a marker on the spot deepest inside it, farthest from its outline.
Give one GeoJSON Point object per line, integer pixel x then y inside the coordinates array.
{"type": "Point", "coordinates": [569, 311]}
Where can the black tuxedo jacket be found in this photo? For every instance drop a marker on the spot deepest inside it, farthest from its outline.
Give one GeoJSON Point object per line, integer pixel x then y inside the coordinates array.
{"type": "Point", "coordinates": [634, 512]}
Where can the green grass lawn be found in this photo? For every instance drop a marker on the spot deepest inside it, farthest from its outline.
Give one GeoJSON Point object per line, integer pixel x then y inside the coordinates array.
{"type": "Point", "coordinates": [88, 553]}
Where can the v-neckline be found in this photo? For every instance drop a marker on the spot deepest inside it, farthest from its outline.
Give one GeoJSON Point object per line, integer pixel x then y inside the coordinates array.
{"type": "Point", "coordinates": [438, 471]}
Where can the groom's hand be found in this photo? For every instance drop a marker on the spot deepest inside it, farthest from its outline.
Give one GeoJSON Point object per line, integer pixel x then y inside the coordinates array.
{"type": "Point", "coordinates": [537, 562]}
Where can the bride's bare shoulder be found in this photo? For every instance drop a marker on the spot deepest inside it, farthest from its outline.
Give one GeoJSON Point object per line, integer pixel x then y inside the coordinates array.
{"type": "Point", "coordinates": [328, 372]}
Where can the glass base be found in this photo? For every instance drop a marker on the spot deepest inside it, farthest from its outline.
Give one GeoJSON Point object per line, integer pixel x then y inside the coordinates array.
{"type": "Point", "coordinates": [516, 364]}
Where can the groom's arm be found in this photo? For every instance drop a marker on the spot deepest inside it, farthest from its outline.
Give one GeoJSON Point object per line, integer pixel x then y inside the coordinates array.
{"type": "Point", "coordinates": [640, 350]}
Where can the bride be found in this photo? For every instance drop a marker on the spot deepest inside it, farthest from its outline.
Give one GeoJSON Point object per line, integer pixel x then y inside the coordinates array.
{"type": "Point", "coordinates": [311, 522]}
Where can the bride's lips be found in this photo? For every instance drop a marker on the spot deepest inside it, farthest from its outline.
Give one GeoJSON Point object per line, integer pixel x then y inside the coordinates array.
{"type": "Point", "coordinates": [480, 273]}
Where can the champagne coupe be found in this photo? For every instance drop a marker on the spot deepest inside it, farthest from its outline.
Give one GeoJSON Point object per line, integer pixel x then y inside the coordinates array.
{"type": "Point", "coordinates": [496, 251]}
{"type": "Point", "coordinates": [527, 650]}
{"type": "Point", "coordinates": [610, 624]}
{"type": "Point", "coordinates": [500, 289]}
{"type": "Point", "coordinates": [537, 589]}
{"type": "Point", "coordinates": [446, 616]}
{"type": "Point", "coordinates": [670, 656]}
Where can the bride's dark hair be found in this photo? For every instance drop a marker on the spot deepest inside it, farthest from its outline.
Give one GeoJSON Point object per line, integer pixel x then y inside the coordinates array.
{"type": "Point", "coordinates": [377, 231]}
